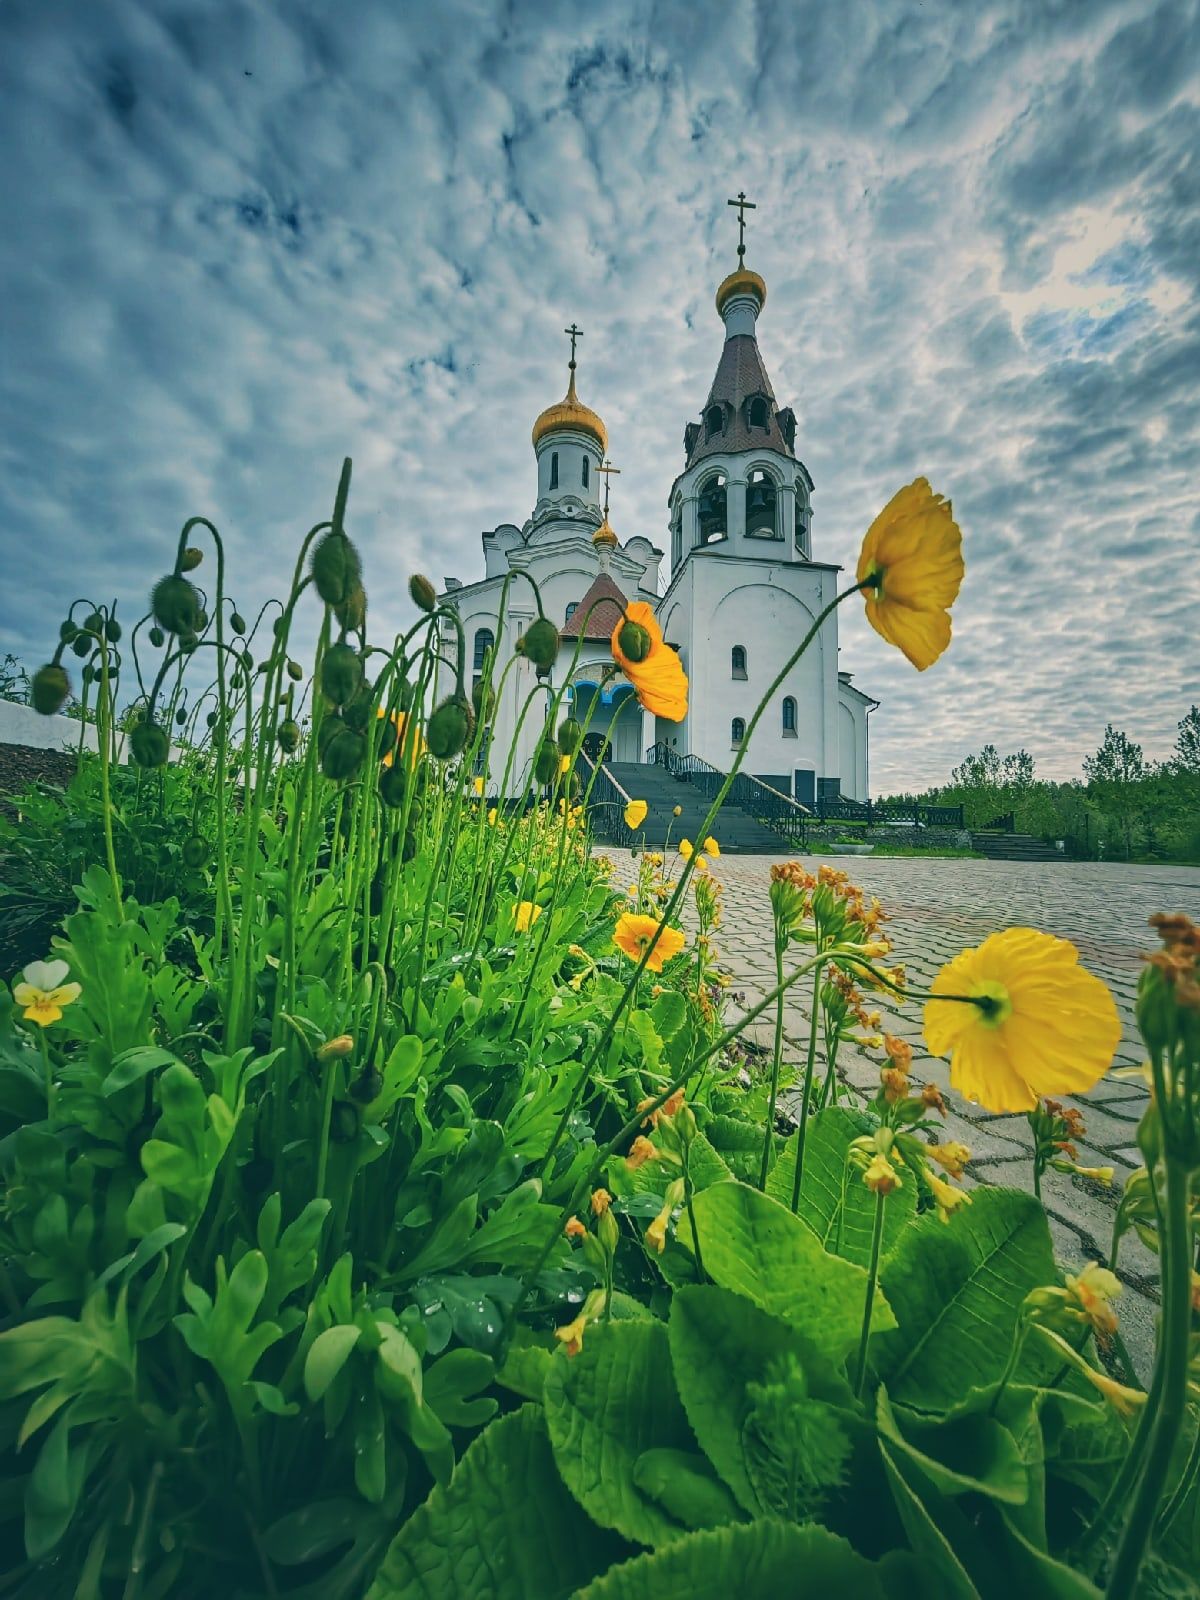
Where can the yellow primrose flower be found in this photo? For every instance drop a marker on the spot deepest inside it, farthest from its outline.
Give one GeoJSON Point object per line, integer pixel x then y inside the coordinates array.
{"type": "Point", "coordinates": [881, 1176]}
{"type": "Point", "coordinates": [1046, 1025]}
{"type": "Point", "coordinates": [525, 915]}
{"type": "Point", "coordinates": [636, 933]}
{"type": "Point", "coordinates": [572, 1334]}
{"type": "Point", "coordinates": [477, 785]}
{"type": "Point", "coordinates": [1123, 1399]}
{"type": "Point", "coordinates": [575, 1229]}
{"type": "Point", "coordinates": [952, 1157]}
{"type": "Point", "coordinates": [641, 1151]}
{"type": "Point", "coordinates": [911, 568]}
{"type": "Point", "coordinates": [685, 849]}
{"type": "Point", "coordinates": [601, 1200]}
{"type": "Point", "coordinates": [946, 1198]}
{"type": "Point", "coordinates": [635, 813]}
{"type": "Point", "coordinates": [1097, 1174]}
{"type": "Point", "coordinates": [713, 848]}
{"type": "Point", "coordinates": [656, 1233]}
{"type": "Point", "coordinates": [1094, 1290]}
{"type": "Point", "coordinates": [43, 993]}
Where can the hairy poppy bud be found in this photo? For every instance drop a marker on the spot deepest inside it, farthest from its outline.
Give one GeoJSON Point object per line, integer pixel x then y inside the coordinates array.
{"type": "Point", "coordinates": [112, 631]}
{"type": "Point", "coordinates": [367, 1086]}
{"type": "Point", "coordinates": [343, 753]}
{"type": "Point", "coordinates": [570, 735]}
{"type": "Point", "coordinates": [201, 620]}
{"type": "Point", "coordinates": [181, 716]}
{"type": "Point", "coordinates": [157, 637]}
{"type": "Point", "coordinates": [450, 728]}
{"type": "Point", "coordinates": [352, 613]}
{"type": "Point", "coordinates": [288, 735]}
{"type": "Point", "coordinates": [336, 570]}
{"type": "Point", "coordinates": [546, 761]}
{"type": "Point", "coordinates": [393, 786]}
{"type": "Point", "coordinates": [341, 674]}
{"type": "Point", "coordinates": [422, 591]}
{"type": "Point", "coordinates": [295, 671]}
{"type": "Point", "coordinates": [190, 559]}
{"type": "Point", "coordinates": [176, 604]}
{"type": "Point", "coordinates": [633, 641]}
{"type": "Point", "coordinates": [89, 673]}
{"type": "Point", "coordinates": [149, 745]}
{"type": "Point", "coordinates": [50, 688]}
{"type": "Point", "coordinates": [210, 720]}
{"type": "Point", "coordinates": [484, 701]}
{"type": "Point", "coordinates": [94, 623]}
{"type": "Point", "coordinates": [409, 848]}
{"type": "Point", "coordinates": [67, 631]}
{"type": "Point", "coordinates": [540, 644]}
{"type": "Point", "coordinates": [345, 1121]}
{"type": "Point", "coordinates": [336, 1048]}
{"type": "Point", "coordinates": [82, 644]}
{"type": "Point", "coordinates": [195, 851]}
{"type": "Point", "coordinates": [238, 623]}
{"type": "Point", "coordinates": [188, 643]}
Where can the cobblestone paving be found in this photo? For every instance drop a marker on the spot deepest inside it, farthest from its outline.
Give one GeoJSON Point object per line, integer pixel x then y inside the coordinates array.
{"type": "Point", "coordinates": [937, 907]}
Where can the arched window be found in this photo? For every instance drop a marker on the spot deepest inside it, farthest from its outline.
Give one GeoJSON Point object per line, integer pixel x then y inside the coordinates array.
{"type": "Point", "coordinates": [789, 716]}
{"type": "Point", "coordinates": [760, 505]}
{"type": "Point", "coordinates": [572, 608]}
{"type": "Point", "coordinates": [554, 469]}
{"type": "Point", "coordinates": [712, 509]}
{"type": "Point", "coordinates": [758, 416]}
{"type": "Point", "coordinates": [737, 730]}
{"type": "Point", "coordinates": [586, 470]}
{"type": "Point", "coordinates": [714, 421]}
{"type": "Point", "coordinates": [737, 658]}
{"type": "Point", "coordinates": [485, 640]}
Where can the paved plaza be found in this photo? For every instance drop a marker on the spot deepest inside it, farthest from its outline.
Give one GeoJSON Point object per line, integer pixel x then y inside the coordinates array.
{"type": "Point", "coordinates": [937, 907]}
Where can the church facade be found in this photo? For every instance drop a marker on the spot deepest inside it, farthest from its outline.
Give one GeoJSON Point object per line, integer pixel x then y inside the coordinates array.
{"type": "Point", "coordinates": [742, 590]}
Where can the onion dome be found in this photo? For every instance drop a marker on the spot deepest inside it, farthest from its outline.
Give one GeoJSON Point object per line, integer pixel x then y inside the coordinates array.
{"type": "Point", "coordinates": [743, 281]}
{"type": "Point", "coordinates": [604, 538]}
{"type": "Point", "coordinates": [571, 414]}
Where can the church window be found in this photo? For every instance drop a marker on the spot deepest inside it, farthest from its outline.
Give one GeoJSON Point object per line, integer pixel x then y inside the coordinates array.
{"type": "Point", "coordinates": [714, 421]}
{"type": "Point", "coordinates": [760, 505]}
{"type": "Point", "coordinates": [485, 640]}
{"type": "Point", "coordinates": [789, 716]}
{"type": "Point", "coordinates": [737, 730]}
{"type": "Point", "coordinates": [759, 415]}
{"type": "Point", "coordinates": [738, 660]}
{"type": "Point", "coordinates": [712, 509]}
{"type": "Point", "coordinates": [572, 608]}
{"type": "Point", "coordinates": [586, 469]}
{"type": "Point", "coordinates": [554, 469]}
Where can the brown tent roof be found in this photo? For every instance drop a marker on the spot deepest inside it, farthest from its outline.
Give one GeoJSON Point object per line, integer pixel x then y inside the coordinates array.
{"type": "Point", "coordinates": [740, 376]}
{"type": "Point", "coordinates": [602, 621]}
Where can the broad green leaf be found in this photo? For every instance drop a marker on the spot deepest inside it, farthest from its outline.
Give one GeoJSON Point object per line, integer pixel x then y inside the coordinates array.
{"type": "Point", "coordinates": [1035, 1572]}
{"type": "Point", "coordinates": [739, 1144]}
{"type": "Point", "coordinates": [959, 1456]}
{"type": "Point", "coordinates": [753, 1561]}
{"type": "Point", "coordinates": [943, 1572]}
{"type": "Point", "coordinates": [687, 1488]}
{"type": "Point", "coordinates": [525, 1365]}
{"type": "Point", "coordinates": [755, 1246]}
{"type": "Point", "coordinates": [720, 1342]}
{"type": "Point", "coordinates": [327, 1355]}
{"type": "Point", "coordinates": [131, 1066]}
{"type": "Point", "coordinates": [503, 1528]}
{"type": "Point", "coordinates": [669, 1013]}
{"type": "Point", "coordinates": [53, 1489]}
{"type": "Point", "coordinates": [956, 1289]}
{"type": "Point", "coordinates": [604, 1408]}
{"type": "Point", "coordinates": [834, 1201]}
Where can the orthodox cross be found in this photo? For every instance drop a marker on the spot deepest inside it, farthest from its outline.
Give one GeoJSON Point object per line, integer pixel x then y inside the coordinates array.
{"type": "Point", "coordinates": [609, 472]}
{"type": "Point", "coordinates": [743, 205]}
{"type": "Point", "coordinates": [573, 333]}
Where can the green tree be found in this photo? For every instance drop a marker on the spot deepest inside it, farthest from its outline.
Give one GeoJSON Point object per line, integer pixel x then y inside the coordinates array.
{"type": "Point", "coordinates": [1187, 742]}
{"type": "Point", "coordinates": [14, 681]}
{"type": "Point", "coordinates": [1114, 774]}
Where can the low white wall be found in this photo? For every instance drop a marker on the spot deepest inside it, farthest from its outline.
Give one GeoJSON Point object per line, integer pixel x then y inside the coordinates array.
{"type": "Point", "coordinates": [23, 725]}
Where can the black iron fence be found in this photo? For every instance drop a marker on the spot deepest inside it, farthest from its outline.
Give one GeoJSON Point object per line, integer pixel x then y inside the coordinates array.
{"type": "Point", "coordinates": [774, 810]}
{"type": "Point", "coordinates": [1006, 822]}
{"type": "Point", "coordinates": [839, 808]}
{"type": "Point", "coordinates": [606, 807]}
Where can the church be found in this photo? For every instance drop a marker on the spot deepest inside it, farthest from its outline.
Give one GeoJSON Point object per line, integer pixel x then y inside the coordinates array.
{"type": "Point", "coordinates": [742, 588]}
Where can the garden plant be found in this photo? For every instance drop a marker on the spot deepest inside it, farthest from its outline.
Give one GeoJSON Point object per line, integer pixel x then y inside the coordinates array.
{"type": "Point", "coordinates": [393, 1208]}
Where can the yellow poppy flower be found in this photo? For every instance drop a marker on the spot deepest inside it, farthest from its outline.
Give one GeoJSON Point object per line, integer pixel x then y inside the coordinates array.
{"type": "Point", "coordinates": [685, 849]}
{"type": "Point", "coordinates": [1050, 1027]}
{"type": "Point", "coordinates": [658, 680]}
{"type": "Point", "coordinates": [636, 933]}
{"type": "Point", "coordinates": [42, 992]}
{"type": "Point", "coordinates": [525, 915]}
{"type": "Point", "coordinates": [912, 557]}
{"type": "Point", "coordinates": [492, 814]}
{"type": "Point", "coordinates": [713, 848]}
{"type": "Point", "coordinates": [477, 785]}
{"type": "Point", "coordinates": [564, 764]}
{"type": "Point", "coordinates": [408, 739]}
{"type": "Point", "coordinates": [635, 813]}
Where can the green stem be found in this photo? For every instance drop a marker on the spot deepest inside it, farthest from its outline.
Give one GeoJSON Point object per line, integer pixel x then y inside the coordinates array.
{"type": "Point", "coordinates": [776, 1062]}
{"type": "Point", "coordinates": [860, 1368]}
{"type": "Point", "coordinates": [49, 1071]}
{"type": "Point", "coordinates": [1182, 1489]}
{"type": "Point", "coordinates": [802, 1131]}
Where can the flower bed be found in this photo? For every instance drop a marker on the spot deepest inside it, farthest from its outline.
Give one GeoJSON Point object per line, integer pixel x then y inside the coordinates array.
{"type": "Point", "coordinates": [389, 1211]}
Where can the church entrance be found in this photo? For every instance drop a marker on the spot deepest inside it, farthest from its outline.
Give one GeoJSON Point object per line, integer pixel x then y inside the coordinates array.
{"type": "Point", "coordinates": [613, 720]}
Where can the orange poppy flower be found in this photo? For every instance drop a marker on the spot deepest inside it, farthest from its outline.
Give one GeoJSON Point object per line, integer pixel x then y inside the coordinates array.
{"type": "Point", "coordinates": [658, 680]}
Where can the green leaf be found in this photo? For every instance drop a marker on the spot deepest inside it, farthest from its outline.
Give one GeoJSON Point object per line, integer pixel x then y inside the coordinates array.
{"type": "Point", "coordinates": [525, 1366]}
{"type": "Point", "coordinates": [943, 1572]}
{"type": "Point", "coordinates": [450, 1382]}
{"type": "Point", "coordinates": [327, 1355]}
{"type": "Point", "coordinates": [53, 1490]}
{"type": "Point", "coordinates": [684, 1484]}
{"type": "Point", "coordinates": [739, 1144]}
{"type": "Point", "coordinates": [504, 1528]}
{"type": "Point", "coordinates": [668, 1013]}
{"type": "Point", "coordinates": [755, 1561]}
{"type": "Point", "coordinates": [956, 1289]}
{"type": "Point", "coordinates": [131, 1066]}
{"type": "Point", "coordinates": [834, 1201]}
{"type": "Point", "coordinates": [960, 1456]}
{"type": "Point", "coordinates": [755, 1246]}
{"type": "Point", "coordinates": [720, 1342]}
{"type": "Point", "coordinates": [604, 1408]}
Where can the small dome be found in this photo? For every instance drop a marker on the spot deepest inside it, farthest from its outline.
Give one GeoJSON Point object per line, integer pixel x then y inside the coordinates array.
{"type": "Point", "coordinates": [743, 281]}
{"type": "Point", "coordinates": [571, 413]}
{"type": "Point", "coordinates": [604, 537]}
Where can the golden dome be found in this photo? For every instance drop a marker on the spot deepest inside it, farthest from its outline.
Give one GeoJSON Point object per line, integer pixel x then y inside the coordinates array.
{"type": "Point", "coordinates": [743, 281]}
{"type": "Point", "coordinates": [604, 537]}
{"type": "Point", "coordinates": [570, 412]}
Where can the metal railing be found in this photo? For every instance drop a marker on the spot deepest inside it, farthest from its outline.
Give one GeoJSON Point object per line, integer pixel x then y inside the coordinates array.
{"type": "Point", "coordinates": [606, 806]}
{"type": "Point", "coordinates": [1006, 822]}
{"type": "Point", "coordinates": [840, 808]}
{"type": "Point", "coordinates": [757, 799]}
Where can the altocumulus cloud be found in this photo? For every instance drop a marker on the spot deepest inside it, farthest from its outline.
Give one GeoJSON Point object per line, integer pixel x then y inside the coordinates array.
{"type": "Point", "coordinates": [247, 239]}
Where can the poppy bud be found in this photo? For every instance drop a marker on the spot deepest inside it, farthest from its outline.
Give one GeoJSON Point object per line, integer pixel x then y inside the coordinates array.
{"type": "Point", "coordinates": [336, 570]}
{"type": "Point", "coordinates": [422, 591]}
{"type": "Point", "coordinates": [195, 851]}
{"type": "Point", "coordinates": [190, 559]}
{"type": "Point", "coordinates": [367, 1086]}
{"type": "Point", "coordinates": [343, 753]}
{"type": "Point", "coordinates": [450, 728]}
{"type": "Point", "coordinates": [238, 623]}
{"type": "Point", "coordinates": [94, 623]}
{"type": "Point", "coordinates": [335, 1049]}
{"type": "Point", "coordinates": [633, 641]}
{"type": "Point", "coordinates": [149, 745]}
{"type": "Point", "coordinates": [181, 716]}
{"type": "Point", "coordinates": [175, 604]}
{"type": "Point", "coordinates": [540, 644]}
{"type": "Point", "coordinates": [112, 631]}
{"type": "Point", "coordinates": [201, 620]}
{"type": "Point", "coordinates": [82, 644]}
{"type": "Point", "coordinates": [288, 735]}
{"type": "Point", "coordinates": [89, 673]}
{"type": "Point", "coordinates": [341, 674]}
{"type": "Point", "coordinates": [393, 786]}
{"type": "Point", "coordinates": [157, 637]}
{"type": "Point", "coordinates": [484, 701]}
{"type": "Point", "coordinates": [545, 761]}
{"type": "Point", "coordinates": [188, 643]}
{"type": "Point", "coordinates": [352, 613]}
{"type": "Point", "coordinates": [67, 631]}
{"type": "Point", "coordinates": [50, 688]}
{"type": "Point", "coordinates": [386, 736]}
{"type": "Point", "coordinates": [295, 671]}
{"type": "Point", "coordinates": [210, 720]}
{"type": "Point", "coordinates": [570, 735]}
{"type": "Point", "coordinates": [409, 848]}
{"type": "Point", "coordinates": [345, 1121]}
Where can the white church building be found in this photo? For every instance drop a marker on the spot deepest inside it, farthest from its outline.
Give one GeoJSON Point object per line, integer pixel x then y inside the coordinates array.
{"type": "Point", "coordinates": [741, 592]}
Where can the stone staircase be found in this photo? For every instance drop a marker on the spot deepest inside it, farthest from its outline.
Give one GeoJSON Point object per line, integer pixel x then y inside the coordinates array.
{"type": "Point", "coordinates": [735, 830]}
{"type": "Point", "coordinates": [1014, 847]}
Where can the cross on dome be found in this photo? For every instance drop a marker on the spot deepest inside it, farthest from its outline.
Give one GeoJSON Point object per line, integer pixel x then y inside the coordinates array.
{"type": "Point", "coordinates": [743, 205]}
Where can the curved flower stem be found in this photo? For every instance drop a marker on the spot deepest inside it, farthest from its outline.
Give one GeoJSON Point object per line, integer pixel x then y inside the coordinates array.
{"type": "Point", "coordinates": [802, 1130]}
{"type": "Point", "coordinates": [49, 1072]}
{"type": "Point", "coordinates": [860, 1367]}
{"type": "Point", "coordinates": [776, 1060]}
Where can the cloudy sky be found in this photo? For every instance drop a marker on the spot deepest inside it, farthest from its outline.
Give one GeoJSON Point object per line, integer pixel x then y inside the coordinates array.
{"type": "Point", "coordinates": [246, 239]}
